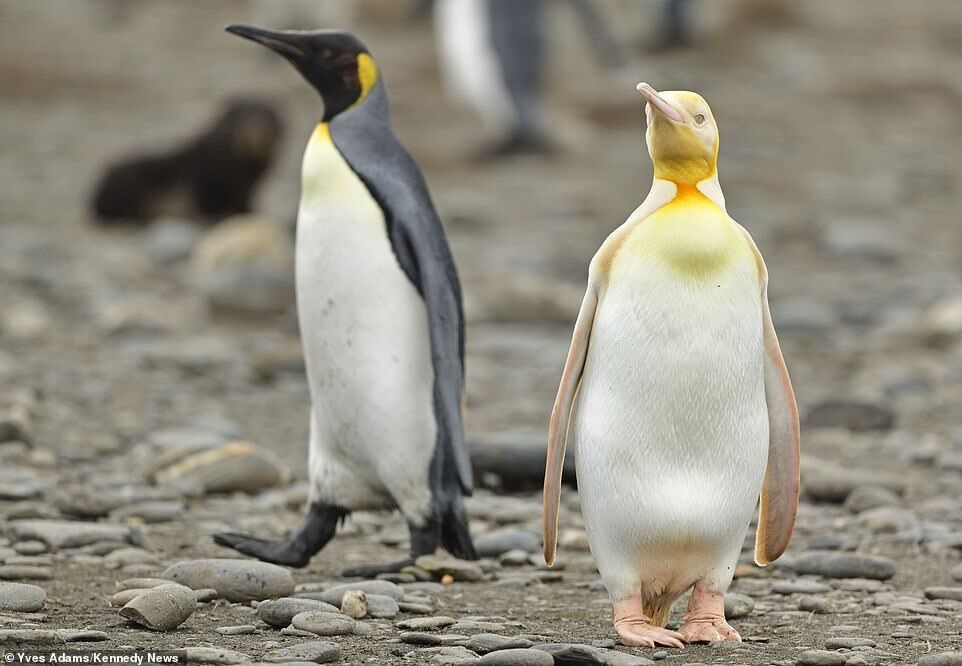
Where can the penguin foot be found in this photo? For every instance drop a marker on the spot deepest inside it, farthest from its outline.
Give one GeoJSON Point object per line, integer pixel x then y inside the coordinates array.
{"type": "Point", "coordinates": [372, 570]}
{"type": "Point", "coordinates": [277, 552]}
{"type": "Point", "coordinates": [705, 620]}
{"type": "Point", "coordinates": [636, 630]}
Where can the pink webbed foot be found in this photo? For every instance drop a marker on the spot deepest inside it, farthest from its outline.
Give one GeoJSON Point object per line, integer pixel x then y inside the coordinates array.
{"type": "Point", "coordinates": [705, 620]}
{"type": "Point", "coordinates": [635, 628]}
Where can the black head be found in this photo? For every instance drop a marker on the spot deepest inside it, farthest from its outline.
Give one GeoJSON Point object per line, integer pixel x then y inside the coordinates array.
{"type": "Point", "coordinates": [335, 62]}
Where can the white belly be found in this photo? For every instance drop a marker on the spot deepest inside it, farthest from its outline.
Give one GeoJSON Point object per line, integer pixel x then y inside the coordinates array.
{"type": "Point", "coordinates": [670, 424]}
{"type": "Point", "coordinates": [366, 345]}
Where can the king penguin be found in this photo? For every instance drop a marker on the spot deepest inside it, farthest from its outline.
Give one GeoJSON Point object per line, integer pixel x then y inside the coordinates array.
{"type": "Point", "coordinates": [381, 319]}
{"type": "Point", "coordinates": [677, 397]}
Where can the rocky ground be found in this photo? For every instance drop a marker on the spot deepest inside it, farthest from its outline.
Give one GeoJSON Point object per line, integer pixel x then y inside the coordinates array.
{"type": "Point", "coordinates": [136, 420]}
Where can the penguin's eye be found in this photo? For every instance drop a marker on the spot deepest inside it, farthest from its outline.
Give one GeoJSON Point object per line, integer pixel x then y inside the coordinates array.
{"type": "Point", "coordinates": [699, 118]}
{"type": "Point", "coordinates": [327, 54]}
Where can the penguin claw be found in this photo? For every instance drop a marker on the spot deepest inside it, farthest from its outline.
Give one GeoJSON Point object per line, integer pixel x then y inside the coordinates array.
{"type": "Point", "coordinates": [708, 632]}
{"type": "Point", "coordinates": [277, 552]}
{"type": "Point", "coordinates": [642, 634]}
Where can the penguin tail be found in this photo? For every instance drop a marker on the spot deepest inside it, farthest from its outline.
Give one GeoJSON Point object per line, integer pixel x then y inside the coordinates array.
{"type": "Point", "coordinates": [658, 610]}
{"type": "Point", "coordinates": [455, 536]}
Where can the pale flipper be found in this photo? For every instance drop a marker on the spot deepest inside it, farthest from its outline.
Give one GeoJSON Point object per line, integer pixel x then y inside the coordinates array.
{"type": "Point", "coordinates": [560, 416]}
{"type": "Point", "coordinates": [779, 501]}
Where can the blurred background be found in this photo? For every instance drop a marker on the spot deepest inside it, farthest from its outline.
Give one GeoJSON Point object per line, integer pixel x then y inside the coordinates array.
{"type": "Point", "coordinates": [840, 150]}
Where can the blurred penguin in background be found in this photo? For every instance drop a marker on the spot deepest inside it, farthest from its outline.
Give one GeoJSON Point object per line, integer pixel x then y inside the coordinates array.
{"type": "Point", "coordinates": [492, 55]}
{"type": "Point", "coordinates": [302, 14]}
{"type": "Point", "coordinates": [210, 176]}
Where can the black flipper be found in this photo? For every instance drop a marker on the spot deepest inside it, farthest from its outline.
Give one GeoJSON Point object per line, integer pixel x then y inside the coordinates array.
{"type": "Point", "coordinates": [317, 529]}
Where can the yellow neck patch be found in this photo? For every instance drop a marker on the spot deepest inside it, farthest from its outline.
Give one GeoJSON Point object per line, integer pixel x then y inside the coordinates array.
{"type": "Point", "coordinates": [366, 74]}
{"type": "Point", "coordinates": [690, 235]}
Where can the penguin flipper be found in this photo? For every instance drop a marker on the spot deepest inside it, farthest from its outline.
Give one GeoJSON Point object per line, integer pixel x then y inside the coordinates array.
{"type": "Point", "coordinates": [560, 417]}
{"type": "Point", "coordinates": [779, 500]}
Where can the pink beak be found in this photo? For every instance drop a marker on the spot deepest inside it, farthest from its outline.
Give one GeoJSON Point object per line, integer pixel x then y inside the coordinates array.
{"type": "Point", "coordinates": [660, 103]}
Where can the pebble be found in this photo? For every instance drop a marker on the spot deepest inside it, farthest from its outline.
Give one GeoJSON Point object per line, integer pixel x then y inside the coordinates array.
{"type": "Point", "coordinates": [848, 643]}
{"type": "Point", "coordinates": [123, 557]}
{"type": "Point", "coordinates": [953, 593]}
{"type": "Point", "coordinates": [415, 608]}
{"type": "Point", "coordinates": [812, 604]}
{"type": "Point", "coordinates": [493, 544]}
{"type": "Point", "coordinates": [800, 586]}
{"type": "Point", "coordinates": [864, 498]}
{"type": "Point", "coordinates": [354, 604]}
{"type": "Point", "coordinates": [30, 547]}
{"type": "Point", "coordinates": [942, 659]}
{"type": "Point", "coordinates": [448, 566]}
{"type": "Point", "coordinates": [844, 565]}
{"type": "Point", "coordinates": [58, 534]}
{"type": "Point", "coordinates": [380, 606]}
{"type": "Point", "coordinates": [140, 583]}
{"type": "Point", "coordinates": [738, 605]}
{"type": "Point", "coordinates": [333, 595]}
{"type": "Point", "coordinates": [232, 467]}
{"type": "Point", "coordinates": [484, 643]}
{"type": "Point", "coordinates": [821, 658]}
{"type": "Point", "coordinates": [324, 624]}
{"type": "Point", "coordinates": [169, 240]}
{"type": "Point", "coordinates": [576, 653]}
{"type": "Point", "coordinates": [517, 657]}
{"type": "Point", "coordinates": [83, 635]}
{"type": "Point", "coordinates": [10, 637]}
{"type": "Point", "coordinates": [318, 652]}
{"type": "Point", "coordinates": [420, 638]}
{"type": "Point", "coordinates": [159, 511]}
{"type": "Point", "coordinates": [161, 608]}
{"type": "Point", "coordinates": [24, 572]}
{"type": "Point", "coordinates": [280, 612]}
{"type": "Point", "coordinates": [236, 630]}
{"type": "Point", "coordinates": [856, 416]}
{"type": "Point", "coordinates": [214, 656]}
{"type": "Point", "coordinates": [22, 598]}
{"type": "Point", "coordinates": [432, 623]}
{"type": "Point", "coordinates": [234, 580]}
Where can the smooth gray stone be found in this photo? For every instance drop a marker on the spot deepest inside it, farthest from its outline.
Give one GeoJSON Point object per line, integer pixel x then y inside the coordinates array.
{"type": "Point", "coordinates": [942, 659]}
{"type": "Point", "coordinates": [953, 593]}
{"type": "Point", "coordinates": [280, 612]}
{"type": "Point", "coordinates": [576, 653]}
{"type": "Point", "coordinates": [234, 580]}
{"type": "Point", "coordinates": [333, 595]}
{"type": "Point", "coordinates": [517, 657]}
{"type": "Point", "coordinates": [324, 624]}
{"type": "Point", "coordinates": [214, 656]}
{"type": "Point", "coordinates": [821, 658]}
{"type": "Point", "coordinates": [848, 643]}
{"type": "Point", "coordinates": [844, 565]}
{"type": "Point", "coordinates": [800, 587]}
{"type": "Point", "coordinates": [67, 533]}
{"type": "Point", "coordinates": [318, 652]}
{"type": "Point", "coordinates": [11, 637]}
{"type": "Point", "coordinates": [738, 605]}
{"type": "Point", "coordinates": [484, 643]}
{"type": "Point", "coordinates": [236, 630]}
{"type": "Point", "coordinates": [380, 606]}
{"type": "Point", "coordinates": [83, 635]}
{"type": "Point", "coordinates": [420, 638]}
{"type": "Point", "coordinates": [493, 544]}
{"type": "Point", "coordinates": [24, 572]}
{"type": "Point", "coordinates": [431, 623]}
{"type": "Point", "coordinates": [161, 608]}
{"type": "Point", "coordinates": [813, 604]}
{"type": "Point", "coordinates": [22, 598]}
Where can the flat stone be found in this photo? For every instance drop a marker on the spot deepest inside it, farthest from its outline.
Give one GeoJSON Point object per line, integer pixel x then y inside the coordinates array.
{"type": "Point", "coordinates": [576, 653]}
{"type": "Point", "coordinates": [493, 544]}
{"type": "Point", "coordinates": [517, 657]}
{"type": "Point", "coordinates": [234, 580]}
{"type": "Point", "coordinates": [864, 498]}
{"type": "Point", "coordinates": [236, 630]}
{"type": "Point", "coordinates": [953, 593]}
{"type": "Point", "coordinates": [67, 533]}
{"type": "Point", "coordinates": [800, 587]}
{"type": "Point", "coordinates": [280, 612]}
{"type": "Point", "coordinates": [439, 567]}
{"type": "Point", "coordinates": [380, 606]}
{"type": "Point", "coordinates": [420, 638]}
{"type": "Point", "coordinates": [484, 643]}
{"type": "Point", "coordinates": [161, 608]}
{"type": "Point", "coordinates": [214, 656]}
{"type": "Point", "coordinates": [821, 658]}
{"type": "Point", "coordinates": [942, 659]}
{"type": "Point", "coordinates": [813, 604]}
{"type": "Point", "coordinates": [844, 565]}
{"type": "Point", "coordinates": [22, 598]}
{"type": "Point", "coordinates": [234, 466]}
{"type": "Point", "coordinates": [123, 557]}
{"type": "Point", "coordinates": [159, 511]}
{"type": "Point", "coordinates": [14, 637]}
{"type": "Point", "coordinates": [24, 572]}
{"type": "Point", "coordinates": [415, 608]}
{"type": "Point", "coordinates": [738, 605]}
{"type": "Point", "coordinates": [324, 624]}
{"type": "Point", "coordinates": [30, 547]}
{"type": "Point", "coordinates": [333, 595]}
{"type": "Point", "coordinates": [83, 635]}
{"type": "Point", "coordinates": [318, 652]}
{"type": "Point", "coordinates": [140, 583]}
{"type": "Point", "coordinates": [847, 643]}
{"type": "Point", "coordinates": [432, 623]}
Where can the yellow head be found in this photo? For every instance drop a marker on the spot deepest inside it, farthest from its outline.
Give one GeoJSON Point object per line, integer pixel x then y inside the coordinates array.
{"type": "Point", "coordinates": [682, 135]}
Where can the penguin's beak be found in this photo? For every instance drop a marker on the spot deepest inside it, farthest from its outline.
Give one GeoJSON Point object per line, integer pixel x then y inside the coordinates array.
{"type": "Point", "coordinates": [660, 103]}
{"type": "Point", "coordinates": [287, 43]}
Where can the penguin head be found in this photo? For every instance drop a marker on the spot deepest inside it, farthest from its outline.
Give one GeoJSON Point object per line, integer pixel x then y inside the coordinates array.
{"type": "Point", "coordinates": [335, 62]}
{"type": "Point", "coordinates": [682, 135]}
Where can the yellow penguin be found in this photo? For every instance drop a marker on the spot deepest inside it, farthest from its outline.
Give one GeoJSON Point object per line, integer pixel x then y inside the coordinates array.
{"type": "Point", "coordinates": [677, 397]}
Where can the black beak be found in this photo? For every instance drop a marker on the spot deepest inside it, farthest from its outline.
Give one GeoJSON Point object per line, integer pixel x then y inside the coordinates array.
{"type": "Point", "coordinates": [286, 43]}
